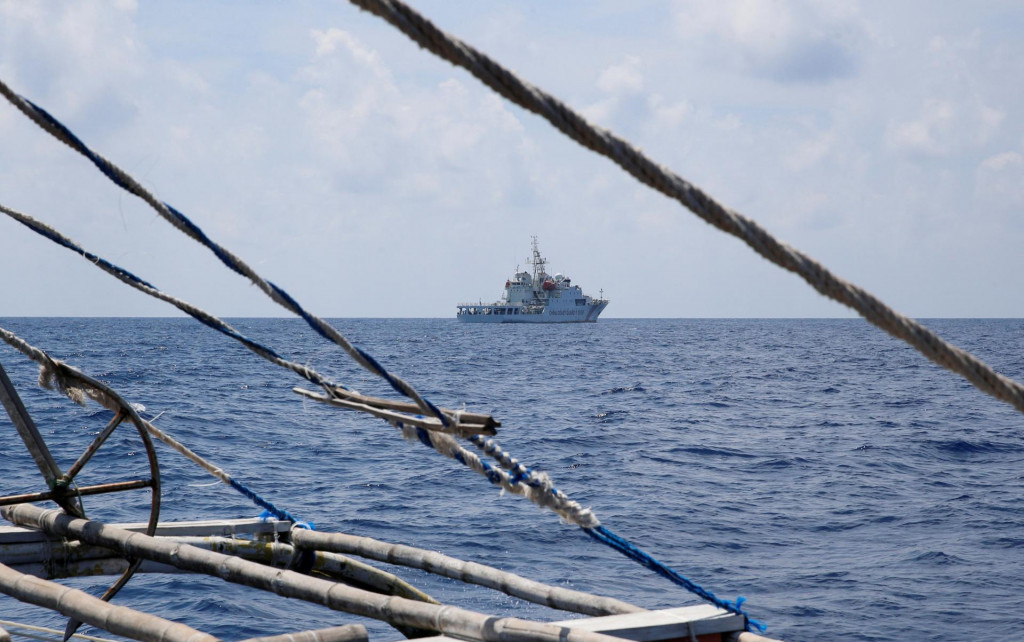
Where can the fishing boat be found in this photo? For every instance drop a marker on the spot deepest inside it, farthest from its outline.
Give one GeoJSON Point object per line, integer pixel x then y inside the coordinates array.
{"type": "Point", "coordinates": [536, 297]}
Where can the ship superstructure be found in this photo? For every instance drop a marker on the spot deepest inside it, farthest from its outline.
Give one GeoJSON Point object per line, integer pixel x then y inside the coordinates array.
{"type": "Point", "coordinates": [536, 297]}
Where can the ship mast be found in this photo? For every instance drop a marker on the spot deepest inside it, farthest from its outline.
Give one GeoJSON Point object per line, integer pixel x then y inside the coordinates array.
{"type": "Point", "coordinates": [538, 262]}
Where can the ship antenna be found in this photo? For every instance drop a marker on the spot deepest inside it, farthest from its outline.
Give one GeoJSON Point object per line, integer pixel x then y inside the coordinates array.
{"type": "Point", "coordinates": [537, 261]}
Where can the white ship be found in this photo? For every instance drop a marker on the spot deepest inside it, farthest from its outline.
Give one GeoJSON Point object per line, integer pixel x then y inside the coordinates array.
{"type": "Point", "coordinates": [536, 297]}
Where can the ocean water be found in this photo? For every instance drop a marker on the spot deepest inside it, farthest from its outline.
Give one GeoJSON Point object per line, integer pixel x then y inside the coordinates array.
{"type": "Point", "coordinates": [847, 487]}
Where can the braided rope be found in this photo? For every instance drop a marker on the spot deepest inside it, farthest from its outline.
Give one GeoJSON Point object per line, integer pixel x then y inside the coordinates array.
{"type": "Point", "coordinates": [631, 159]}
{"type": "Point", "coordinates": [622, 545]}
{"type": "Point", "coordinates": [207, 319]}
{"type": "Point", "coordinates": [490, 447]}
{"type": "Point", "coordinates": [121, 178]}
{"type": "Point", "coordinates": [543, 491]}
{"type": "Point", "coordinates": [540, 490]}
{"type": "Point", "coordinates": [134, 281]}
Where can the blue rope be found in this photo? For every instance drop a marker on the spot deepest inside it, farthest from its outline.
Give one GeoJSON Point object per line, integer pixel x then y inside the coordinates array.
{"type": "Point", "coordinates": [622, 545]}
{"type": "Point", "coordinates": [601, 534]}
{"type": "Point", "coordinates": [520, 473]}
{"type": "Point", "coordinates": [267, 506]}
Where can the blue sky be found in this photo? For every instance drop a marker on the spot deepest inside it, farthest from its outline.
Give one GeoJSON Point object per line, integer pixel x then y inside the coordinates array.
{"type": "Point", "coordinates": [369, 178]}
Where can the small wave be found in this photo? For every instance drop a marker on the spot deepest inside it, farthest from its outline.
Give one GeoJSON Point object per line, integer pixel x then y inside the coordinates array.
{"type": "Point", "coordinates": [708, 451]}
{"type": "Point", "coordinates": [634, 388]}
{"type": "Point", "coordinates": [936, 557]}
{"type": "Point", "coordinates": [1004, 542]}
{"type": "Point", "coordinates": [964, 447]}
{"type": "Point", "coordinates": [885, 519]}
{"type": "Point", "coordinates": [781, 463]}
{"type": "Point", "coordinates": [837, 527]}
{"type": "Point", "coordinates": [808, 611]}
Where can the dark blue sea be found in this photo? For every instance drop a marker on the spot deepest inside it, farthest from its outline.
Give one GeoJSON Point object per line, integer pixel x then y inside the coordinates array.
{"type": "Point", "coordinates": [847, 487]}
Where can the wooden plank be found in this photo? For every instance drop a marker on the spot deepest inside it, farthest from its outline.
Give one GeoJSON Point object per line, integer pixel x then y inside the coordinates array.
{"type": "Point", "coordinates": [653, 626]}
{"type": "Point", "coordinates": [665, 624]}
{"type": "Point", "coordinates": [427, 423]}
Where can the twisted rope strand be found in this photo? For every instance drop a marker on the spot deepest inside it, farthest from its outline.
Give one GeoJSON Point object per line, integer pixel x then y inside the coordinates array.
{"type": "Point", "coordinates": [607, 537]}
{"type": "Point", "coordinates": [124, 180]}
{"type": "Point", "coordinates": [542, 492]}
{"type": "Point", "coordinates": [633, 161]}
{"type": "Point", "coordinates": [207, 319]}
{"type": "Point", "coordinates": [539, 489]}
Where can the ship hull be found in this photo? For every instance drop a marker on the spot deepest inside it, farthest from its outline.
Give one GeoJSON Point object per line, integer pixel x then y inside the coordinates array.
{"type": "Point", "coordinates": [488, 314]}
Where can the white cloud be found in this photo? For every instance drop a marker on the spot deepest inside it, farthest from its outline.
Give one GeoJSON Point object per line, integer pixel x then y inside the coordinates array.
{"type": "Point", "coordinates": [789, 41]}
{"type": "Point", "coordinates": [1002, 161]}
{"type": "Point", "coordinates": [999, 184]}
{"type": "Point", "coordinates": [70, 54]}
{"type": "Point", "coordinates": [622, 78]}
{"type": "Point", "coordinates": [669, 115]}
{"type": "Point", "coordinates": [944, 126]}
{"type": "Point", "coordinates": [810, 152]}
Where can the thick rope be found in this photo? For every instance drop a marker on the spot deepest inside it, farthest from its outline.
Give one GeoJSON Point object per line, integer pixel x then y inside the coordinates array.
{"type": "Point", "coordinates": [625, 547]}
{"type": "Point", "coordinates": [541, 490]}
{"type": "Point", "coordinates": [631, 159]}
{"type": "Point", "coordinates": [207, 319]}
{"type": "Point", "coordinates": [143, 286]}
{"type": "Point", "coordinates": [121, 178]}
{"type": "Point", "coordinates": [538, 488]}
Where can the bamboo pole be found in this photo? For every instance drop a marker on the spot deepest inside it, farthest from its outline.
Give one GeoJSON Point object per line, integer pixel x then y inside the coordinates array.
{"type": "Point", "coordinates": [471, 572]}
{"type": "Point", "coordinates": [427, 423]}
{"type": "Point", "coordinates": [81, 606]}
{"type": "Point", "coordinates": [54, 560]}
{"type": "Point", "coordinates": [20, 628]}
{"type": "Point", "coordinates": [282, 555]}
{"type": "Point", "coordinates": [405, 406]}
{"type": "Point", "coordinates": [347, 633]}
{"type": "Point", "coordinates": [449, 620]}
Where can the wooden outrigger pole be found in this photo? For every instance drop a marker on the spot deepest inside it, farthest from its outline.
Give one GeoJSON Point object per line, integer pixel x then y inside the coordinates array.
{"type": "Point", "coordinates": [450, 620]}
